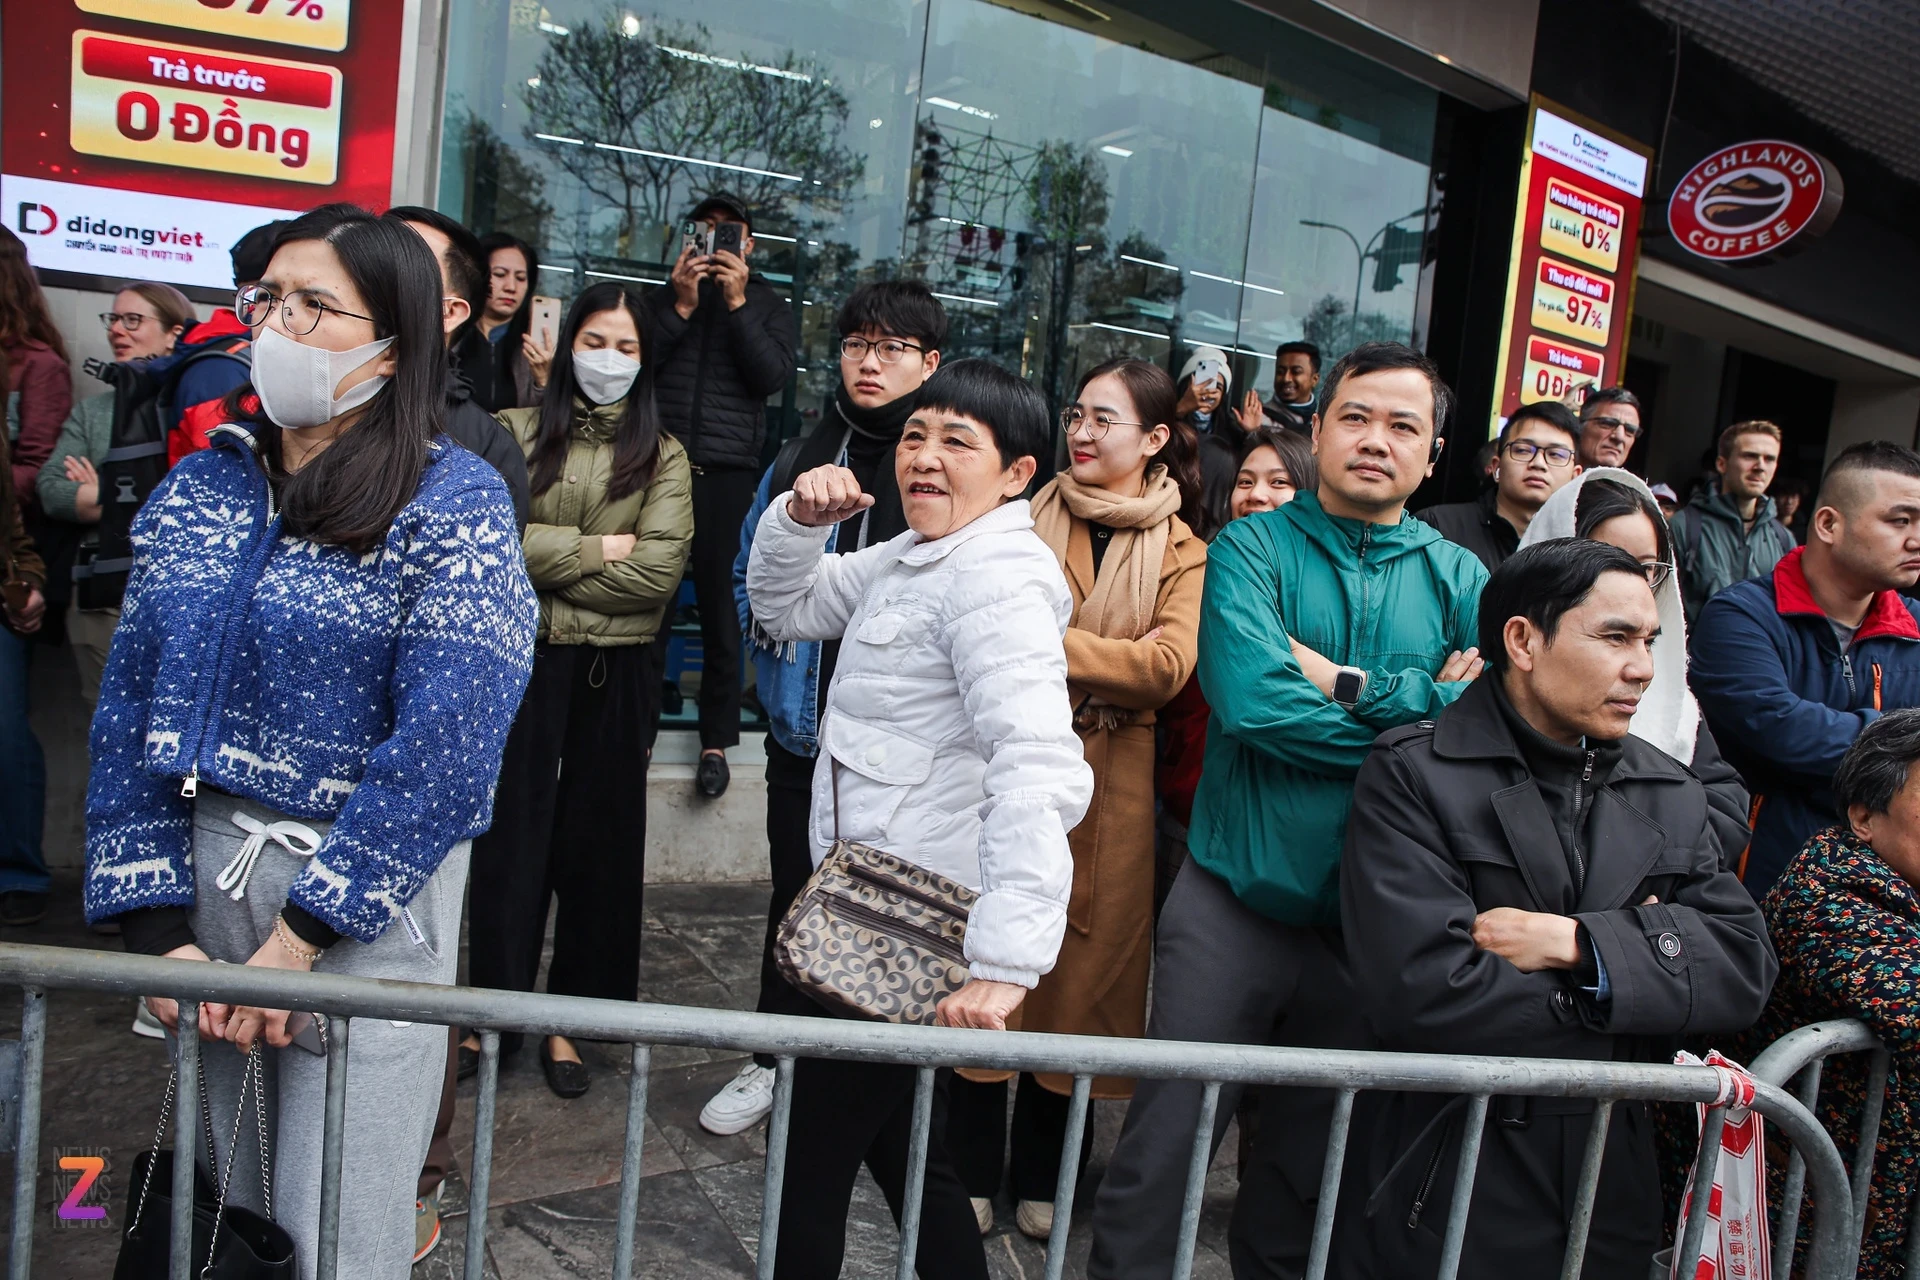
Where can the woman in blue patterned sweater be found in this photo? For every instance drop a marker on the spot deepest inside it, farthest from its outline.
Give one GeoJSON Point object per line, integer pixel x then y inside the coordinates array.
{"type": "Point", "coordinates": [326, 634]}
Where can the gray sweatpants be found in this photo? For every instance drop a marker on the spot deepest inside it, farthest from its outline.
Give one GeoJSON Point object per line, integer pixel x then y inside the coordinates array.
{"type": "Point", "coordinates": [1224, 974]}
{"type": "Point", "coordinates": [394, 1069]}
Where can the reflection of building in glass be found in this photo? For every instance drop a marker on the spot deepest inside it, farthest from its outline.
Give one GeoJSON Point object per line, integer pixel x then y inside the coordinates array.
{"type": "Point", "coordinates": [1075, 185]}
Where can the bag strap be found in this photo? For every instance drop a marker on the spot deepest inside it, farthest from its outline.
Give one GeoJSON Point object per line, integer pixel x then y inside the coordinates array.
{"type": "Point", "coordinates": [160, 1133]}
{"type": "Point", "coordinates": [252, 1079]}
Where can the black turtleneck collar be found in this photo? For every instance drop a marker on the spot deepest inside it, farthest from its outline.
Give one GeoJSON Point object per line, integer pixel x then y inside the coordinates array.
{"type": "Point", "coordinates": [883, 422]}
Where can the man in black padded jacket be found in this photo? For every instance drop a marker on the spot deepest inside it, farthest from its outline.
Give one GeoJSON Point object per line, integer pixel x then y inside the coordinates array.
{"type": "Point", "coordinates": [721, 342]}
{"type": "Point", "coordinates": [463, 281]}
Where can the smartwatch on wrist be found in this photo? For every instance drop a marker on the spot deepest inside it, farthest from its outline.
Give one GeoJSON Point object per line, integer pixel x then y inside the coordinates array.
{"type": "Point", "coordinates": [1348, 684]}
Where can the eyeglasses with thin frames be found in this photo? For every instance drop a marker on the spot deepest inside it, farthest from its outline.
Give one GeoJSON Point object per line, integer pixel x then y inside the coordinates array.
{"type": "Point", "coordinates": [300, 311]}
{"type": "Point", "coordinates": [1657, 573]}
{"type": "Point", "coordinates": [1523, 451]}
{"type": "Point", "coordinates": [890, 350]}
{"type": "Point", "coordinates": [1096, 426]}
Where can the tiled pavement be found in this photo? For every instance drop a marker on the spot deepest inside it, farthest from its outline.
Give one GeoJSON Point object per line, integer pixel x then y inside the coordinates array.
{"type": "Point", "coordinates": [556, 1164]}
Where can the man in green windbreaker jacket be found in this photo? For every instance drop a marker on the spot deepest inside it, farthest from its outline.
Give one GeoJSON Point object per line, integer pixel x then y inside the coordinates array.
{"type": "Point", "coordinates": [1325, 623]}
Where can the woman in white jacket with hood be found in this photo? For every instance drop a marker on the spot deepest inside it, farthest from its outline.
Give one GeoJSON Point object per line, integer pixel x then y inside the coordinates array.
{"type": "Point", "coordinates": [1607, 504]}
{"type": "Point", "coordinates": [948, 741]}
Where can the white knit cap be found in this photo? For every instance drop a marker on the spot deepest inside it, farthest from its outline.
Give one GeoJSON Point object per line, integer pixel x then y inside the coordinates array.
{"type": "Point", "coordinates": [1208, 364]}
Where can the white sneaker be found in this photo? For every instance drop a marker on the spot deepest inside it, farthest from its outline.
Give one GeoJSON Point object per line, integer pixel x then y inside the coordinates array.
{"type": "Point", "coordinates": [1034, 1218]}
{"type": "Point", "coordinates": [145, 1024]}
{"type": "Point", "coordinates": [744, 1103]}
{"type": "Point", "coordinates": [982, 1213]}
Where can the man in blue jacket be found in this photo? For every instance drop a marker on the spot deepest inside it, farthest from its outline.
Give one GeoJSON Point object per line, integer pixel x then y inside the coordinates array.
{"type": "Point", "coordinates": [890, 334]}
{"type": "Point", "coordinates": [1791, 666]}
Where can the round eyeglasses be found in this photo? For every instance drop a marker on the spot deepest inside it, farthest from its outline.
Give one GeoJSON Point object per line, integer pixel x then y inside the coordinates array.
{"type": "Point", "coordinates": [300, 311]}
{"type": "Point", "coordinates": [1095, 425]}
{"type": "Point", "coordinates": [890, 350]}
{"type": "Point", "coordinates": [1657, 573]}
{"type": "Point", "coordinates": [1523, 451]}
{"type": "Point", "coordinates": [130, 321]}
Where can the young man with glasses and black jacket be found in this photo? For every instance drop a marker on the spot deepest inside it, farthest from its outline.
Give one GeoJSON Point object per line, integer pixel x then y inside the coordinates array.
{"type": "Point", "coordinates": [890, 337]}
{"type": "Point", "coordinates": [1536, 459]}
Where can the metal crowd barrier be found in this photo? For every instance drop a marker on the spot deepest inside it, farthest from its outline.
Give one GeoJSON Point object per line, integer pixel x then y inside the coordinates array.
{"type": "Point", "coordinates": [1802, 1053]}
{"type": "Point", "coordinates": [41, 969]}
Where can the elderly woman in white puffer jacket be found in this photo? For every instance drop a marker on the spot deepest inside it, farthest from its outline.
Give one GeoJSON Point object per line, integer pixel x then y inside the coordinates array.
{"type": "Point", "coordinates": [949, 727]}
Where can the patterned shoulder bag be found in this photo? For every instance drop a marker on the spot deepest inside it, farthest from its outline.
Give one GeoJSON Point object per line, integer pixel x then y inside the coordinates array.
{"type": "Point", "coordinates": [872, 935]}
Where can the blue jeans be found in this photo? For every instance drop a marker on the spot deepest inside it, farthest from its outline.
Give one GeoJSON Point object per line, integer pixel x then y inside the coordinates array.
{"type": "Point", "coordinates": [23, 776]}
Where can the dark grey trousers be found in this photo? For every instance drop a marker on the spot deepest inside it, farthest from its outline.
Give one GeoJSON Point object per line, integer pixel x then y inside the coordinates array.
{"type": "Point", "coordinates": [1224, 974]}
{"type": "Point", "coordinates": [394, 1069]}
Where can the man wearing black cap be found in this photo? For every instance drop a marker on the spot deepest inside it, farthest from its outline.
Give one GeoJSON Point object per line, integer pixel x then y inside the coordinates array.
{"type": "Point", "coordinates": [722, 341]}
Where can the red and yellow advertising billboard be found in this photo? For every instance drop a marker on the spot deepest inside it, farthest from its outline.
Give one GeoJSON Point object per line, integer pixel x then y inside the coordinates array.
{"type": "Point", "coordinates": [140, 138]}
{"type": "Point", "coordinates": [1575, 242]}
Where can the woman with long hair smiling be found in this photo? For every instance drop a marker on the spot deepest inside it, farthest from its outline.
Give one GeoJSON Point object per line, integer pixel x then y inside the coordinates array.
{"type": "Point", "coordinates": [611, 521]}
{"type": "Point", "coordinates": [326, 631]}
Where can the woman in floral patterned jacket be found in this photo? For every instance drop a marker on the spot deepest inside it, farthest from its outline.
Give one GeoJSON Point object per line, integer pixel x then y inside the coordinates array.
{"type": "Point", "coordinates": [1845, 919]}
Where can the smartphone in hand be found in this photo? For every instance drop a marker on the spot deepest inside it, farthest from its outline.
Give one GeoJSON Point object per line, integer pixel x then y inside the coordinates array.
{"type": "Point", "coordinates": [545, 321]}
{"type": "Point", "coordinates": [697, 236]}
{"type": "Point", "coordinates": [726, 238]}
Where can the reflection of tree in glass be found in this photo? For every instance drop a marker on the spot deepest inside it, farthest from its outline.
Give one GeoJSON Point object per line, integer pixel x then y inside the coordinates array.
{"type": "Point", "coordinates": [504, 193]}
{"type": "Point", "coordinates": [1328, 325]}
{"type": "Point", "coordinates": [1067, 207]}
{"type": "Point", "coordinates": [661, 87]}
{"type": "Point", "coordinates": [1117, 289]}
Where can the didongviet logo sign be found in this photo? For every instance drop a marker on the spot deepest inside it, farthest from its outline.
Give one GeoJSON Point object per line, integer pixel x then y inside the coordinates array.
{"type": "Point", "coordinates": [1752, 199]}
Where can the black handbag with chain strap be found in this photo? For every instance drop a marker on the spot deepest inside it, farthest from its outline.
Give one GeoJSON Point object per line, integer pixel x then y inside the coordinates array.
{"type": "Point", "coordinates": [229, 1242]}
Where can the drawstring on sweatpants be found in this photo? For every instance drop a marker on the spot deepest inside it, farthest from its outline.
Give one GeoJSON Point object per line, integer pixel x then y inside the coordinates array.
{"type": "Point", "coordinates": [597, 670]}
{"type": "Point", "coordinates": [289, 835]}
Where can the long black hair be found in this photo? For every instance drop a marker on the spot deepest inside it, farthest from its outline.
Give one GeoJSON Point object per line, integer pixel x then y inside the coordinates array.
{"type": "Point", "coordinates": [636, 445]}
{"type": "Point", "coordinates": [1602, 500]}
{"type": "Point", "coordinates": [349, 494]}
{"type": "Point", "coordinates": [522, 318]}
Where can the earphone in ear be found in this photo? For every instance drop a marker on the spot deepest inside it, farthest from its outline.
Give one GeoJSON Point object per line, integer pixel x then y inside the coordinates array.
{"type": "Point", "coordinates": [1439, 443]}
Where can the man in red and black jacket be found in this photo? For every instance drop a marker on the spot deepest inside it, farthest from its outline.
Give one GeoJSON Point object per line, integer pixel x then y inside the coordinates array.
{"type": "Point", "coordinates": [194, 406]}
{"type": "Point", "coordinates": [1789, 667]}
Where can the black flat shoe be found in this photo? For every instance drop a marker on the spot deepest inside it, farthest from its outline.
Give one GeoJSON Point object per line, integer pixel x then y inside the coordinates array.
{"type": "Point", "coordinates": [566, 1079]}
{"type": "Point", "coordinates": [712, 776]}
{"type": "Point", "coordinates": [18, 907]}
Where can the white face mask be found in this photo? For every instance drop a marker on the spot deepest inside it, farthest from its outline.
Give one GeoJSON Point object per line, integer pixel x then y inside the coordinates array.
{"type": "Point", "coordinates": [295, 382]}
{"type": "Point", "coordinates": [603, 374]}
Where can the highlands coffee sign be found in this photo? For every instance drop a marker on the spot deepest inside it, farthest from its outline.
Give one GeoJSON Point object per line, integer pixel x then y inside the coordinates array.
{"type": "Point", "coordinates": [1753, 199]}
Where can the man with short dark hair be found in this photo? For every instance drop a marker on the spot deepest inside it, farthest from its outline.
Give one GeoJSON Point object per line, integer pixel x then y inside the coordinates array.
{"type": "Point", "coordinates": [1296, 380]}
{"type": "Point", "coordinates": [1522, 877]}
{"type": "Point", "coordinates": [462, 280]}
{"type": "Point", "coordinates": [1790, 666]}
{"type": "Point", "coordinates": [1303, 666]}
{"type": "Point", "coordinates": [720, 342]}
{"type": "Point", "coordinates": [1609, 427]}
{"type": "Point", "coordinates": [890, 337]}
{"type": "Point", "coordinates": [1535, 461]}
{"type": "Point", "coordinates": [1730, 533]}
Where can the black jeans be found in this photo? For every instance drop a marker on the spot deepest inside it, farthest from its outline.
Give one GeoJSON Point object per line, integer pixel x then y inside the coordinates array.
{"type": "Point", "coordinates": [849, 1113]}
{"type": "Point", "coordinates": [569, 823]}
{"type": "Point", "coordinates": [721, 499]}
{"type": "Point", "coordinates": [790, 859]}
{"type": "Point", "coordinates": [977, 1137]}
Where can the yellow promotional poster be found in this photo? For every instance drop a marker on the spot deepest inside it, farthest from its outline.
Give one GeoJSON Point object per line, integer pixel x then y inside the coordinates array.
{"type": "Point", "coordinates": [1554, 371]}
{"type": "Point", "coordinates": [1569, 300]}
{"type": "Point", "coordinates": [1581, 225]}
{"type": "Point", "coordinates": [311, 24]}
{"type": "Point", "coordinates": [200, 109]}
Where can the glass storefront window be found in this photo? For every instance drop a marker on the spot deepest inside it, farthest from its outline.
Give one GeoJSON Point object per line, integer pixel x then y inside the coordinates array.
{"type": "Point", "coordinates": [1076, 180]}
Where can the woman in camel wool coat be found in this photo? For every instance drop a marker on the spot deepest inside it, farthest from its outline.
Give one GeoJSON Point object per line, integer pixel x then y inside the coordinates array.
{"type": "Point", "coordinates": [1135, 568]}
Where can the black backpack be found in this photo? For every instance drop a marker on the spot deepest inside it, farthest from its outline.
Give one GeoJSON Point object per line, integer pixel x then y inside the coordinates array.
{"type": "Point", "coordinates": [134, 464]}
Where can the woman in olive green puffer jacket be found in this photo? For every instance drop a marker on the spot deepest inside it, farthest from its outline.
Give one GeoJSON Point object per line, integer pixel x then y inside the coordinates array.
{"type": "Point", "coordinates": [606, 544]}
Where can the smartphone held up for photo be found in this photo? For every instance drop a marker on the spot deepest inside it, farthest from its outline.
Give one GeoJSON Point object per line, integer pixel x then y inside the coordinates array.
{"type": "Point", "coordinates": [726, 238]}
{"type": "Point", "coordinates": [545, 321]}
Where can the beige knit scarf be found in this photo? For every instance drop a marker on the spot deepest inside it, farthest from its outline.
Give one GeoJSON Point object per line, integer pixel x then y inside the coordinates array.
{"type": "Point", "coordinates": [1127, 588]}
